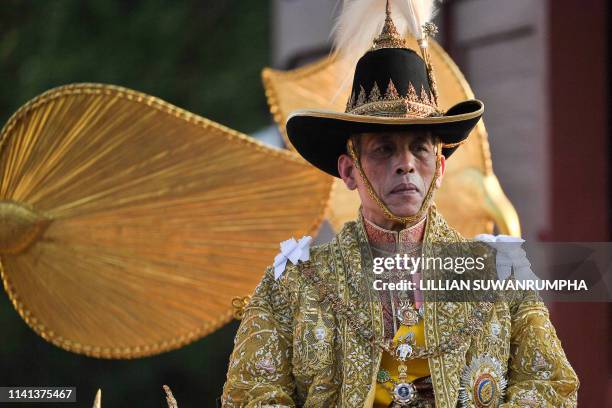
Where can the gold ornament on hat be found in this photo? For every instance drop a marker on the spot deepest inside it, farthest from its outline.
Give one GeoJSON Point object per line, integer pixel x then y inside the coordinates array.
{"type": "Point", "coordinates": [391, 104]}
{"type": "Point", "coordinates": [389, 37]}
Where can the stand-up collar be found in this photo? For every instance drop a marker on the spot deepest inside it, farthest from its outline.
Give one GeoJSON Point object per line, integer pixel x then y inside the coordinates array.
{"type": "Point", "coordinates": [380, 237]}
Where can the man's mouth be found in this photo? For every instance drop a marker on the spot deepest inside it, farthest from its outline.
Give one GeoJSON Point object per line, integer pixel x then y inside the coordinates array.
{"type": "Point", "coordinates": [405, 189]}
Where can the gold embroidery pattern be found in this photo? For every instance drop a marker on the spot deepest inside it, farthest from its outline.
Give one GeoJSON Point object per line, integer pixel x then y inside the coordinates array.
{"type": "Point", "coordinates": [539, 373]}
{"type": "Point", "coordinates": [374, 94]}
{"type": "Point", "coordinates": [259, 368]}
{"type": "Point", "coordinates": [440, 320]}
{"type": "Point", "coordinates": [361, 98]}
{"type": "Point", "coordinates": [391, 94]}
{"type": "Point", "coordinates": [357, 258]}
{"type": "Point", "coordinates": [392, 104]}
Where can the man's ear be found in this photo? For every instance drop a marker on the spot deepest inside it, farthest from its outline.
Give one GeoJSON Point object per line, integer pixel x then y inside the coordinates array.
{"type": "Point", "coordinates": [441, 171]}
{"type": "Point", "coordinates": [346, 169]}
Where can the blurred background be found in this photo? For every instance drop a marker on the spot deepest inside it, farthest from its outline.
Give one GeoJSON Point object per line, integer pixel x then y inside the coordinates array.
{"type": "Point", "coordinates": [541, 67]}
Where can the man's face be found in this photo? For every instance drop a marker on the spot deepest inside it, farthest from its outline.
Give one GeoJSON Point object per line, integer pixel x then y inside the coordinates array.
{"type": "Point", "coordinates": [400, 167]}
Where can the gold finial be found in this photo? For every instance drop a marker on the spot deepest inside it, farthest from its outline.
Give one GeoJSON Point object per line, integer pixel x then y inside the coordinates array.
{"type": "Point", "coordinates": [170, 398]}
{"type": "Point", "coordinates": [98, 399]}
{"type": "Point", "coordinates": [429, 31]}
{"type": "Point", "coordinates": [389, 37]}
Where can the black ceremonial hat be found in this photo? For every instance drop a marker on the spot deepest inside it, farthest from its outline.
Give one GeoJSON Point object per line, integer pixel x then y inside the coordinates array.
{"type": "Point", "coordinates": [393, 90]}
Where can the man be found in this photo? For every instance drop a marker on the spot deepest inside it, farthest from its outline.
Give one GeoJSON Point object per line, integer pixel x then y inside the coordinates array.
{"type": "Point", "coordinates": [317, 333]}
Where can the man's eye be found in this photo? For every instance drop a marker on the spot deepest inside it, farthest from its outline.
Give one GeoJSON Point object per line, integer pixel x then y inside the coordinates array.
{"type": "Point", "coordinates": [383, 149]}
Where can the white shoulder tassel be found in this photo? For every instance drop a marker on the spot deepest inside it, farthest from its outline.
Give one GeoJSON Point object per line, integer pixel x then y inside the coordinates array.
{"type": "Point", "coordinates": [510, 257]}
{"type": "Point", "coordinates": [293, 251]}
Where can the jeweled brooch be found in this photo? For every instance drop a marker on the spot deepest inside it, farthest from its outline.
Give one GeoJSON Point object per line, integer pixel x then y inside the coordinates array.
{"type": "Point", "coordinates": [483, 383]}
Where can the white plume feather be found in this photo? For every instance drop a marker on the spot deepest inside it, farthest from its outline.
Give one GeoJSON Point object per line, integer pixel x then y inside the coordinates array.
{"type": "Point", "coordinates": [361, 21]}
{"type": "Point", "coordinates": [417, 13]}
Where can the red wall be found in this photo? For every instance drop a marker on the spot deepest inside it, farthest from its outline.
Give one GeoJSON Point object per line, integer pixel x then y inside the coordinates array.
{"type": "Point", "coordinates": [579, 175]}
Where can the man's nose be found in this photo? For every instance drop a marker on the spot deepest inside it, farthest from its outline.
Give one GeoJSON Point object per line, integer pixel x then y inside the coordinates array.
{"type": "Point", "coordinates": [405, 162]}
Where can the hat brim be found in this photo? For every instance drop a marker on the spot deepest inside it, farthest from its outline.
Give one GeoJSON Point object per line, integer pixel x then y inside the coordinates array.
{"type": "Point", "coordinates": [320, 136]}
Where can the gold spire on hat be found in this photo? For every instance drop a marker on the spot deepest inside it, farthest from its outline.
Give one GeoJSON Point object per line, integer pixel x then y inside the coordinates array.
{"type": "Point", "coordinates": [389, 37]}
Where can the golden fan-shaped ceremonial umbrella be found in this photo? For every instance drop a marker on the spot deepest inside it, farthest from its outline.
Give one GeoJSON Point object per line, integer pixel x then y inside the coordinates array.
{"type": "Point", "coordinates": [471, 197]}
{"type": "Point", "coordinates": [127, 224]}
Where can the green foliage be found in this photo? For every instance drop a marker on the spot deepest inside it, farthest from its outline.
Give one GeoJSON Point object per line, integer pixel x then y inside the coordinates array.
{"type": "Point", "coordinates": [202, 55]}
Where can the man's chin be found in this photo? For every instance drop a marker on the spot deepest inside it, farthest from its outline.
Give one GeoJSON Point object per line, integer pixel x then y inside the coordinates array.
{"type": "Point", "coordinates": [404, 210]}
